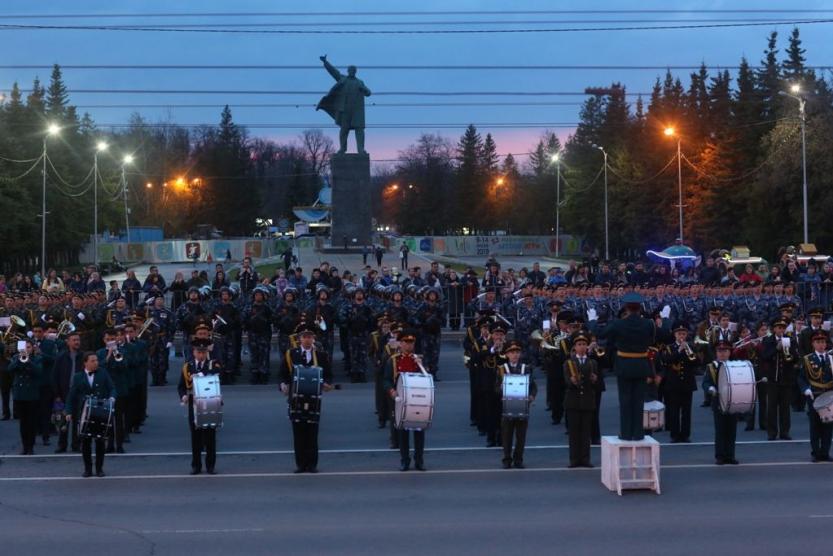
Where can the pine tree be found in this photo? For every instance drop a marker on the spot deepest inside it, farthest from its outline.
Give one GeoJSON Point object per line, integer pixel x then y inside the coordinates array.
{"type": "Point", "coordinates": [470, 184]}
{"type": "Point", "coordinates": [793, 67]}
{"type": "Point", "coordinates": [769, 78]}
{"type": "Point", "coordinates": [57, 97]}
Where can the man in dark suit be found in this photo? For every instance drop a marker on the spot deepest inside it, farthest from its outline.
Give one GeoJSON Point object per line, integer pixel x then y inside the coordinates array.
{"type": "Point", "coordinates": [631, 336]}
{"type": "Point", "coordinates": [96, 383]}
{"type": "Point", "coordinates": [305, 433]}
{"type": "Point", "coordinates": [779, 354]}
{"type": "Point", "coordinates": [67, 364]}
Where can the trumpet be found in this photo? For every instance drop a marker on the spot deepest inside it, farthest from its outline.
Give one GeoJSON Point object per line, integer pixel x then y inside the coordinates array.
{"type": "Point", "coordinates": [546, 339]}
{"type": "Point", "coordinates": [24, 356]}
{"type": "Point", "coordinates": [688, 351]}
{"type": "Point", "coordinates": [147, 324]}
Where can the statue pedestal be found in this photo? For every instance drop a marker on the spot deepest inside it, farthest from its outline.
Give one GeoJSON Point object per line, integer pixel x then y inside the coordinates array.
{"type": "Point", "coordinates": [351, 216]}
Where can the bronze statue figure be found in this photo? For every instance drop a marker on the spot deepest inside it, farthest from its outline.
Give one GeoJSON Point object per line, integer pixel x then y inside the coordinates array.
{"type": "Point", "coordinates": [345, 104]}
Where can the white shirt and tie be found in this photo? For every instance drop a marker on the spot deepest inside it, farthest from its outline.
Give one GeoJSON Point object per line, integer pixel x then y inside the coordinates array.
{"type": "Point", "coordinates": [90, 378]}
{"type": "Point", "coordinates": [307, 355]}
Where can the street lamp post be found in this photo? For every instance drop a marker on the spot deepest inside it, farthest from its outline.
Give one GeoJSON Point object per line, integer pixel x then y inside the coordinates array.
{"type": "Point", "coordinates": [52, 129]}
{"type": "Point", "coordinates": [100, 147]}
{"type": "Point", "coordinates": [671, 132]}
{"type": "Point", "coordinates": [557, 159]}
{"type": "Point", "coordinates": [795, 91]}
{"type": "Point", "coordinates": [607, 237]}
{"type": "Point", "coordinates": [128, 159]}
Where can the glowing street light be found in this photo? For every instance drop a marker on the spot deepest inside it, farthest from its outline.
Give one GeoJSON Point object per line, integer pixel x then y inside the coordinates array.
{"type": "Point", "coordinates": [51, 129]}
{"type": "Point", "coordinates": [128, 159]}
{"type": "Point", "coordinates": [795, 92]}
{"type": "Point", "coordinates": [100, 147]}
{"type": "Point", "coordinates": [149, 185]}
{"type": "Point", "coordinates": [670, 132]}
{"type": "Point", "coordinates": [555, 158]}
{"type": "Point", "coordinates": [607, 236]}
{"type": "Point", "coordinates": [500, 180]}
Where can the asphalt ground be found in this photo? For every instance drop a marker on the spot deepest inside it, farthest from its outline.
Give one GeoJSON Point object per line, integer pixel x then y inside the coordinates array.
{"type": "Point", "coordinates": [775, 502]}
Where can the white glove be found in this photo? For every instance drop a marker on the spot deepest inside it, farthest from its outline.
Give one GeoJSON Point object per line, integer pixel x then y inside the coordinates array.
{"type": "Point", "coordinates": [666, 312]}
{"type": "Point", "coordinates": [809, 393]}
{"type": "Point", "coordinates": [112, 400]}
{"type": "Point", "coordinates": [184, 399]}
{"type": "Point", "coordinates": [80, 316]}
{"type": "Point", "coordinates": [712, 390]}
{"type": "Point", "coordinates": [397, 399]}
{"type": "Point", "coordinates": [30, 334]}
{"type": "Point", "coordinates": [200, 375]}
{"type": "Point", "coordinates": [169, 345]}
{"type": "Point", "coordinates": [284, 388]}
{"type": "Point", "coordinates": [785, 342]}
{"type": "Point", "coordinates": [592, 315]}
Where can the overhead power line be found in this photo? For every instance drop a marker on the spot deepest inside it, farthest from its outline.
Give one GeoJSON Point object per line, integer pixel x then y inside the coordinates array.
{"type": "Point", "coordinates": [320, 93]}
{"type": "Point", "coordinates": [236, 106]}
{"type": "Point", "coordinates": [412, 13]}
{"type": "Point", "coordinates": [601, 28]}
{"type": "Point", "coordinates": [376, 67]}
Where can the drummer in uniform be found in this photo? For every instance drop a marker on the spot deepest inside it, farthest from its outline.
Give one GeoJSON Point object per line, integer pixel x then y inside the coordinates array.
{"type": "Point", "coordinates": [580, 374]}
{"type": "Point", "coordinates": [725, 424]}
{"type": "Point", "coordinates": [816, 379]}
{"type": "Point", "coordinates": [406, 361]}
{"type": "Point", "coordinates": [97, 383]}
{"type": "Point", "coordinates": [305, 434]}
{"type": "Point", "coordinates": [201, 438]}
{"type": "Point", "coordinates": [514, 426]}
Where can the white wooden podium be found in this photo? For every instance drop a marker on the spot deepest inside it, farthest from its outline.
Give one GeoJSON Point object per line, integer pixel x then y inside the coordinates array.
{"type": "Point", "coordinates": [630, 464]}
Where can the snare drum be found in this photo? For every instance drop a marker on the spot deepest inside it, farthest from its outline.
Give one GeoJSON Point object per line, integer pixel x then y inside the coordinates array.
{"type": "Point", "coordinates": [208, 402]}
{"type": "Point", "coordinates": [305, 396]}
{"type": "Point", "coordinates": [653, 416]}
{"type": "Point", "coordinates": [414, 408]}
{"type": "Point", "coordinates": [736, 387]}
{"type": "Point", "coordinates": [824, 407]}
{"type": "Point", "coordinates": [515, 396]}
{"type": "Point", "coordinates": [96, 417]}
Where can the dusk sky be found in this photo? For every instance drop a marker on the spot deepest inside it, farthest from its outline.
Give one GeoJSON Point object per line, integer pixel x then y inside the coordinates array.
{"type": "Point", "coordinates": [716, 47]}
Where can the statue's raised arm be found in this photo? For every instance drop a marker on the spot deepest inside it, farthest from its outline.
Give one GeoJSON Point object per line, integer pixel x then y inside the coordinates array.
{"type": "Point", "coordinates": [331, 69]}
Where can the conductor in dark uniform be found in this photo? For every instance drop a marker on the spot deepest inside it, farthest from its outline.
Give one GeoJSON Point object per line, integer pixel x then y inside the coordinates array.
{"type": "Point", "coordinates": [631, 336]}
{"type": "Point", "coordinates": [304, 433]}
{"type": "Point", "coordinates": [581, 375]}
{"type": "Point", "coordinates": [201, 438]}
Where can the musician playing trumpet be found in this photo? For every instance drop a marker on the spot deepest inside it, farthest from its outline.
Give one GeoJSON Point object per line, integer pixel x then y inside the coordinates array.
{"type": "Point", "coordinates": [678, 366]}
{"type": "Point", "coordinates": [487, 361]}
{"type": "Point", "coordinates": [26, 369]}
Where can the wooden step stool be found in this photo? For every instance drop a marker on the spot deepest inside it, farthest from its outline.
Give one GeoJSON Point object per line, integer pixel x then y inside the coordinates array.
{"type": "Point", "coordinates": [630, 464]}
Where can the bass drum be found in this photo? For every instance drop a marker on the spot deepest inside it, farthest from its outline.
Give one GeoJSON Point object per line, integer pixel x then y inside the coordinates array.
{"type": "Point", "coordinates": [96, 418]}
{"type": "Point", "coordinates": [305, 396]}
{"type": "Point", "coordinates": [516, 396]}
{"type": "Point", "coordinates": [824, 407]}
{"type": "Point", "coordinates": [208, 402]}
{"type": "Point", "coordinates": [414, 408]}
{"type": "Point", "coordinates": [736, 387]}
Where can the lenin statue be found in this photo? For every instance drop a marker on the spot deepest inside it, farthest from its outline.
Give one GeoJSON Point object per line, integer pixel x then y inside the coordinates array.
{"type": "Point", "coordinates": [345, 104]}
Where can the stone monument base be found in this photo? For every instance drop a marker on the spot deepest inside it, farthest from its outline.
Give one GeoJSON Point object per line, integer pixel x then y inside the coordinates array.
{"type": "Point", "coordinates": [351, 216]}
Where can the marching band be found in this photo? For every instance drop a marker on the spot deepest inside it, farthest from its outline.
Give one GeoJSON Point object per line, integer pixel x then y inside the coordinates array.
{"type": "Point", "coordinates": [88, 360]}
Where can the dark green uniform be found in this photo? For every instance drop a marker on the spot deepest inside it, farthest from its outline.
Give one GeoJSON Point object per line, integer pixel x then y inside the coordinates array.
{"type": "Point", "coordinates": [725, 424]}
{"type": "Point", "coordinates": [816, 375]}
{"type": "Point", "coordinates": [26, 392]}
{"type": "Point", "coordinates": [580, 404]}
{"type": "Point", "coordinates": [631, 337]}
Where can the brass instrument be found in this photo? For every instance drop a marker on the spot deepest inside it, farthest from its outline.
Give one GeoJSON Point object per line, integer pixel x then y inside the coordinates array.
{"type": "Point", "coordinates": [24, 355]}
{"type": "Point", "coordinates": [65, 328]}
{"type": "Point", "coordinates": [147, 324]}
{"type": "Point", "coordinates": [10, 333]}
{"type": "Point", "coordinates": [117, 356]}
{"type": "Point", "coordinates": [546, 339]}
